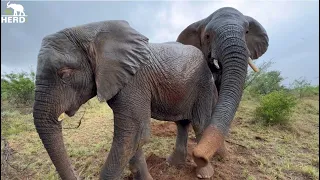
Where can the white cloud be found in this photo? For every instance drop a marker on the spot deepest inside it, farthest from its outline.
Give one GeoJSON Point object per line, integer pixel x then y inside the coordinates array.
{"type": "Point", "coordinates": [172, 19]}
{"type": "Point", "coordinates": [283, 20]}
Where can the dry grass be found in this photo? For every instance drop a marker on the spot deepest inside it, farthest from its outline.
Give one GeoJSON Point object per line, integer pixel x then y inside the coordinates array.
{"type": "Point", "coordinates": [277, 152]}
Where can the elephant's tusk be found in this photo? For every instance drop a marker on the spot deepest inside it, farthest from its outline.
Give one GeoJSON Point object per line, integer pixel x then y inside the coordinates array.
{"type": "Point", "coordinates": [215, 62]}
{"type": "Point", "coordinates": [61, 117]}
{"type": "Point", "coordinates": [254, 67]}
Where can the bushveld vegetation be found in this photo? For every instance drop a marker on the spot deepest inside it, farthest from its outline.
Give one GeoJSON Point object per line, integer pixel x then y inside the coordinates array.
{"type": "Point", "coordinates": [275, 134]}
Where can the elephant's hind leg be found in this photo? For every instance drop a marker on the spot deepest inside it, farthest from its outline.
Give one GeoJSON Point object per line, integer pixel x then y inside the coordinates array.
{"type": "Point", "coordinates": [179, 155]}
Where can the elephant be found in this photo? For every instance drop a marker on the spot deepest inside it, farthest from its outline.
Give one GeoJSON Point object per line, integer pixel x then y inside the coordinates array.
{"type": "Point", "coordinates": [137, 79]}
{"type": "Point", "coordinates": [229, 41]}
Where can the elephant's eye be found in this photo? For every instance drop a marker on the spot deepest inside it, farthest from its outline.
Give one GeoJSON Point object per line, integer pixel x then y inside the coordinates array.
{"type": "Point", "coordinates": [65, 73]}
{"type": "Point", "coordinates": [207, 36]}
{"type": "Point", "coordinates": [247, 32]}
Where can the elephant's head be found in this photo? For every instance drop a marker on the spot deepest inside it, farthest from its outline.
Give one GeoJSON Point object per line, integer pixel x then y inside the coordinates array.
{"type": "Point", "coordinates": [228, 40]}
{"type": "Point", "coordinates": [74, 65]}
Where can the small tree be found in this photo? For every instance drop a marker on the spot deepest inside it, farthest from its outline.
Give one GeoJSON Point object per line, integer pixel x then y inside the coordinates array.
{"type": "Point", "coordinates": [18, 87]}
{"type": "Point", "coordinates": [251, 75]}
{"type": "Point", "coordinates": [301, 86]}
{"type": "Point", "coordinates": [267, 82]}
{"type": "Point", "coordinates": [275, 107]}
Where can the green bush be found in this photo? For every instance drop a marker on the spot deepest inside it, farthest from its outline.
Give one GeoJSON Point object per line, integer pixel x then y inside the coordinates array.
{"type": "Point", "coordinates": [266, 82]}
{"type": "Point", "coordinates": [276, 107]}
{"type": "Point", "coordinates": [18, 88]}
{"type": "Point", "coordinates": [303, 88]}
{"type": "Point", "coordinates": [310, 91]}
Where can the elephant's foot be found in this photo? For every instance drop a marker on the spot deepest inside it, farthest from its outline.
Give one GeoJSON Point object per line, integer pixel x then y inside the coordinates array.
{"type": "Point", "coordinates": [142, 176]}
{"type": "Point", "coordinates": [138, 167]}
{"type": "Point", "coordinates": [176, 159]}
{"type": "Point", "coordinates": [205, 172]}
{"type": "Point", "coordinates": [140, 172]}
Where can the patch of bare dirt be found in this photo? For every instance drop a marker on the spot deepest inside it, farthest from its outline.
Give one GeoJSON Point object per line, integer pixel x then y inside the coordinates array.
{"type": "Point", "coordinates": [163, 129]}
{"type": "Point", "coordinates": [238, 161]}
{"type": "Point", "coordinates": [160, 169]}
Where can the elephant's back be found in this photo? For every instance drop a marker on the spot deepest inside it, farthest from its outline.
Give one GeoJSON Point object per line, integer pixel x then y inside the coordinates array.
{"type": "Point", "coordinates": [178, 58]}
{"type": "Point", "coordinates": [176, 48]}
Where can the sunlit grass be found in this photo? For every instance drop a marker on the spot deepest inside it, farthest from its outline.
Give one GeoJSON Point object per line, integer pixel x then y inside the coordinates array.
{"type": "Point", "coordinates": [279, 152]}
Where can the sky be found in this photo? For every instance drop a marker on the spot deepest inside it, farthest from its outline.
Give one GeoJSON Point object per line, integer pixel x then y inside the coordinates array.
{"type": "Point", "coordinates": [292, 27]}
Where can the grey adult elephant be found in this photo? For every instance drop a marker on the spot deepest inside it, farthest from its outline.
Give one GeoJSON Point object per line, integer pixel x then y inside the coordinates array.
{"type": "Point", "coordinates": [229, 40]}
{"type": "Point", "coordinates": [138, 80]}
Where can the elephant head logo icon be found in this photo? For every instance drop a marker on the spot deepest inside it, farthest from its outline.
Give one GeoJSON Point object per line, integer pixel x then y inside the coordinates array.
{"type": "Point", "coordinates": [16, 8]}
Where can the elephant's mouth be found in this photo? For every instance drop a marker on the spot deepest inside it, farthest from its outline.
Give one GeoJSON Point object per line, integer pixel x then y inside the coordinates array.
{"type": "Point", "coordinates": [74, 108]}
{"type": "Point", "coordinates": [217, 64]}
{"type": "Point", "coordinates": [71, 113]}
{"type": "Point", "coordinates": [213, 61]}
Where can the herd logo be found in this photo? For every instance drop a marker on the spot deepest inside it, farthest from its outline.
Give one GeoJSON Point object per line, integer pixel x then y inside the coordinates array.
{"type": "Point", "coordinates": [14, 14]}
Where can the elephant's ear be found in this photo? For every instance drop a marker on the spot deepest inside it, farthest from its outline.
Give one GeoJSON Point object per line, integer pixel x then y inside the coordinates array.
{"type": "Point", "coordinates": [119, 51]}
{"type": "Point", "coordinates": [256, 38]}
{"type": "Point", "coordinates": [191, 35]}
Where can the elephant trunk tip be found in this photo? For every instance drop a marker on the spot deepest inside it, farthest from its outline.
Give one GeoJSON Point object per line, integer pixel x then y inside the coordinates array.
{"type": "Point", "coordinates": [212, 139]}
{"type": "Point", "coordinates": [199, 159]}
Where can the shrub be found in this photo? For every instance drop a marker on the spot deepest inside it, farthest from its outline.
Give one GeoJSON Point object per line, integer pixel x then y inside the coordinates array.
{"type": "Point", "coordinates": [266, 83]}
{"type": "Point", "coordinates": [303, 88]}
{"type": "Point", "coordinates": [18, 88]}
{"type": "Point", "coordinates": [276, 107]}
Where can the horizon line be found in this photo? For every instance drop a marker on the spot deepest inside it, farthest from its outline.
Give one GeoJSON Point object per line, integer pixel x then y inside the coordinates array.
{"type": "Point", "coordinates": [13, 16]}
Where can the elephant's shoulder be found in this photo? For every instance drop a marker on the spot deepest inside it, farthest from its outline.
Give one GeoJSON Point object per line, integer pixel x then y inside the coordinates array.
{"type": "Point", "coordinates": [193, 51]}
{"type": "Point", "coordinates": [176, 49]}
{"type": "Point", "coordinates": [172, 42]}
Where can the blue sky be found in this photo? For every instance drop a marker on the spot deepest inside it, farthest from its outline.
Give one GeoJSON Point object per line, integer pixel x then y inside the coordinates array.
{"type": "Point", "coordinates": [292, 26]}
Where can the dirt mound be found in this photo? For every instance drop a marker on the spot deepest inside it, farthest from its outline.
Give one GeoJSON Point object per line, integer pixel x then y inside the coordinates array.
{"type": "Point", "coordinates": [160, 170]}
{"type": "Point", "coordinates": [238, 162]}
{"type": "Point", "coordinates": [228, 168]}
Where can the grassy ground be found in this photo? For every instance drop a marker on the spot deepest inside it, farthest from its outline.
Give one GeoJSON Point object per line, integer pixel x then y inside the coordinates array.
{"type": "Point", "coordinates": [255, 151]}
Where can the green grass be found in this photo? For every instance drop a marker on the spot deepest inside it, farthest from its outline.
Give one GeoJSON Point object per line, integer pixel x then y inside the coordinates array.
{"type": "Point", "coordinates": [289, 151]}
{"type": "Point", "coordinates": [272, 152]}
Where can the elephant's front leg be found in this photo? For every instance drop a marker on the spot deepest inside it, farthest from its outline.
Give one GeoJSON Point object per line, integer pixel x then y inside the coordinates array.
{"type": "Point", "coordinates": [180, 152]}
{"type": "Point", "coordinates": [138, 166]}
{"type": "Point", "coordinates": [129, 136]}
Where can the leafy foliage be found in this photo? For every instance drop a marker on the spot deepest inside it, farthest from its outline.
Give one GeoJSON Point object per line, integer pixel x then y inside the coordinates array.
{"type": "Point", "coordinates": [263, 82]}
{"type": "Point", "coordinates": [251, 75]}
{"type": "Point", "coordinates": [18, 87]}
{"type": "Point", "coordinates": [267, 82]}
{"type": "Point", "coordinates": [303, 88]}
{"type": "Point", "coordinates": [276, 107]}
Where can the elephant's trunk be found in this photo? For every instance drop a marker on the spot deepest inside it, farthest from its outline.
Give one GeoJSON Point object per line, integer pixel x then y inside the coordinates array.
{"type": "Point", "coordinates": [231, 51]}
{"type": "Point", "coordinates": [50, 132]}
